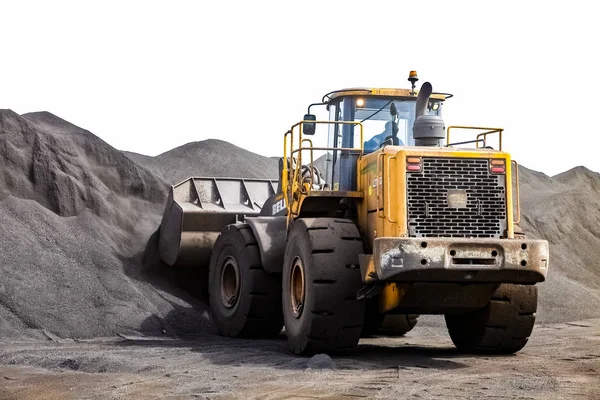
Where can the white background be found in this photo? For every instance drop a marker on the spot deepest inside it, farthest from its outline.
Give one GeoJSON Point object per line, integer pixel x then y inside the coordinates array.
{"type": "Point", "coordinates": [149, 76]}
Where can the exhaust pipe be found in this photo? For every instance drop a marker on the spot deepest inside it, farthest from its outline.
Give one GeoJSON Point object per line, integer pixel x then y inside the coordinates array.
{"type": "Point", "coordinates": [428, 130]}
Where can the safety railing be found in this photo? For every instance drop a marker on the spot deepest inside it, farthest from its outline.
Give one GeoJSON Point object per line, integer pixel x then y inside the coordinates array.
{"type": "Point", "coordinates": [481, 140]}
{"type": "Point", "coordinates": [292, 158]}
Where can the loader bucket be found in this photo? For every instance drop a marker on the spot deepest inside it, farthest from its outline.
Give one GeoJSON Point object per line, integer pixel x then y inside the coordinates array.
{"type": "Point", "coordinates": [198, 208]}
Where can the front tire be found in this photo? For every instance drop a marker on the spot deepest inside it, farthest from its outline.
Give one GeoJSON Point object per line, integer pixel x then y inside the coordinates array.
{"type": "Point", "coordinates": [245, 301]}
{"type": "Point", "coordinates": [502, 327]}
{"type": "Point", "coordinates": [321, 277]}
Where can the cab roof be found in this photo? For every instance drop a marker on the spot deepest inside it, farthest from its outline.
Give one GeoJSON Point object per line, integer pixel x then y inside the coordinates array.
{"type": "Point", "coordinates": [382, 92]}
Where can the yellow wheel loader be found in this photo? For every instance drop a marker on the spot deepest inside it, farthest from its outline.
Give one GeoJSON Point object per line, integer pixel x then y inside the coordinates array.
{"type": "Point", "coordinates": [395, 218]}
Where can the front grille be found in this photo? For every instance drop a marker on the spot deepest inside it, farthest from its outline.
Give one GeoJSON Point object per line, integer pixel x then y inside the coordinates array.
{"type": "Point", "coordinates": [483, 214]}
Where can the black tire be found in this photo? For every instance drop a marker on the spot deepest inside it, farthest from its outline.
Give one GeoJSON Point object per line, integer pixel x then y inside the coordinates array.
{"type": "Point", "coordinates": [373, 318]}
{"type": "Point", "coordinates": [386, 324]}
{"type": "Point", "coordinates": [397, 324]}
{"type": "Point", "coordinates": [322, 313]}
{"type": "Point", "coordinates": [246, 303]}
{"type": "Point", "coordinates": [502, 327]}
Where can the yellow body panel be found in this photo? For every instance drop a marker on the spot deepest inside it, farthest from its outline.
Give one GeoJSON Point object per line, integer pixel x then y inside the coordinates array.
{"type": "Point", "coordinates": [382, 212]}
{"type": "Point", "coordinates": [390, 297]}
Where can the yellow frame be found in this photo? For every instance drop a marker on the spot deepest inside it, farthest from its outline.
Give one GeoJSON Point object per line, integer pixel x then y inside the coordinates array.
{"type": "Point", "coordinates": [477, 138]}
{"type": "Point", "coordinates": [298, 191]}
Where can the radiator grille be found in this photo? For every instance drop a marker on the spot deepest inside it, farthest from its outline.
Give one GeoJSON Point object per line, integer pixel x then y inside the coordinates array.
{"type": "Point", "coordinates": [429, 214]}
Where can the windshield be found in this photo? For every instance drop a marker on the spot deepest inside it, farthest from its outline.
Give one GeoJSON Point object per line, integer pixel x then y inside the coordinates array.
{"type": "Point", "coordinates": [378, 125]}
{"type": "Point", "coordinates": [377, 120]}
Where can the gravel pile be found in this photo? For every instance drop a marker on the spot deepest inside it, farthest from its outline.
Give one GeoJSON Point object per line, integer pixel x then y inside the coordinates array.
{"type": "Point", "coordinates": [210, 157]}
{"type": "Point", "coordinates": [77, 216]}
{"type": "Point", "coordinates": [565, 210]}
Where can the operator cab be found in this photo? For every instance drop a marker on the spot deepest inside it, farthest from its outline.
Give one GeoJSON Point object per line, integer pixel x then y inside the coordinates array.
{"type": "Point", "coordinates": [387, 117]}
{"type": "Point", "coordinates": [383, 113]}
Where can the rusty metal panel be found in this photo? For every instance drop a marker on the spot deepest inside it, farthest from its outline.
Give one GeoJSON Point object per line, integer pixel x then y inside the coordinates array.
{"type": "Point", "coordinates": [460, 260]}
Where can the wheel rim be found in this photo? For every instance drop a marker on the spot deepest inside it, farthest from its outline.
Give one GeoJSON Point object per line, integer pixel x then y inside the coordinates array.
{"type": "Point", "coordinates": [230, 282]}
{"type": "Point", "coordinates": [297, 287]}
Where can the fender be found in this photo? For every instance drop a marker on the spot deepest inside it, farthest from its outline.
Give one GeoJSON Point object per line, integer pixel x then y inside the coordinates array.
{"type": "Point", "coordinates": [271, 234]}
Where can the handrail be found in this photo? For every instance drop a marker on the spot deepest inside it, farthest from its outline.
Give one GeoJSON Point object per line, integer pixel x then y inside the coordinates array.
{"type": "Point", "coordinates": [484, 134]}
{"type": "Point", "coordinates": [295, 179]}
{"type": "Point", "coordinates": [285, 172]}
{"type": "Point", "coordinates": [292, 185]}
{"type": "Point", "coordinates": [517, 193]}
{"type": "Point", "coordinates": [468, 142]}
{"type": "Point", "coordinates": [312, 171]}
{"type": "Point", "coordinates": [388, 189]}
{"type": "Point", "coordinates": [379, 156]}
{"type": "Point", "coordinates": [350, 149]}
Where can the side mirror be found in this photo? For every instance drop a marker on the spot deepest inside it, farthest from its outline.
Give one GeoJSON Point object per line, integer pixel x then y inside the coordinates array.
{"type": "Point", "coordinates": [309, 128]}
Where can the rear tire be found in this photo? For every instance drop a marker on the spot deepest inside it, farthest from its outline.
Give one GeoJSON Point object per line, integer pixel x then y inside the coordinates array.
{"type": "Point", "coordinates": [385, 324]}
{"type": "Point", "coordinates": [397, 324]}
{"type": "Point", "coordinates": [502, 327]}
{"type": "Point", "coordinates": [321, 277]}
{"type": "Point", "coordinates": [245, 301]}
{"type": "Point", "coordinates": [373, 318]}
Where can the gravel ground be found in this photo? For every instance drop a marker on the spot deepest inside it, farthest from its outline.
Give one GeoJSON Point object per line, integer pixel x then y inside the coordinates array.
{"type": "Point", "coordinates": [562, 361]}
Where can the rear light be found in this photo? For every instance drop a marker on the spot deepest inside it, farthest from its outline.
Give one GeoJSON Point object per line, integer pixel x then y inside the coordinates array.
{"type": "Point", "coordinates": [413, 164]}
{"type": "Point", "coordinates": [498, 166]}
